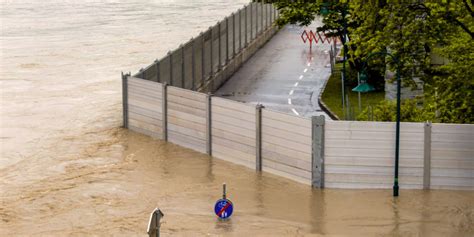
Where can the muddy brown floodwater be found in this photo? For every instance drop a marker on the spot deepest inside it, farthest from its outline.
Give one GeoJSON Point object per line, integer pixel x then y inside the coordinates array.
{"type": "Point", "coordinates": [68, 169]}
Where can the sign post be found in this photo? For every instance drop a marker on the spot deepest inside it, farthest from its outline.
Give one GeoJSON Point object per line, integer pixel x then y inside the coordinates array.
{"type": "Point", "coordinates": [224, 207]}
{"type": "Point", "coordinates": [153, 229]}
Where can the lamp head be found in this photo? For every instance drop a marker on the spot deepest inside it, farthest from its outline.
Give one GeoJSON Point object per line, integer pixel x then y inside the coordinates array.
{"type": "Point", "coordinates": [363, 86]}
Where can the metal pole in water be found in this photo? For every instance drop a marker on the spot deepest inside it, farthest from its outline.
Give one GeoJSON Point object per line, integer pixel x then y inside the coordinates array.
{"type": "Point", "coordinates": [224, 191]}
{"type": "Point", "coordinates": [154, 223]}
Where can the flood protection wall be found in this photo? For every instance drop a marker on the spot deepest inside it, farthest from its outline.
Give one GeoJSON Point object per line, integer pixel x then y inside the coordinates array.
{"type": "Point", "coordinates": [206, 61]}
{"type": "Point", "coordinates": [333, 154]}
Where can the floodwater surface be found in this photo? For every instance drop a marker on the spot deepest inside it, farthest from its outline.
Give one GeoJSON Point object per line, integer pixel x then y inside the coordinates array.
{"type": "Point", "coordinates": [68, 169]}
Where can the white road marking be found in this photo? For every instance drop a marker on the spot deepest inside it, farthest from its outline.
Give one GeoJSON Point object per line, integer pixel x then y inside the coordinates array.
{"type": "Point", "coordinates": [309, 64]}
{"type": "Point", "coordinates": [294, 111]}
{"type": "Point", "coordinates": [301, 77]}
{"type": "Point", "coordinates": [296, 84]}
{"type": "Point", "coordinates": [291, 92]}
{"type": "Point", "coordinates": [289, 101]}
{"type": "Point", "coordinates": [305, 70]}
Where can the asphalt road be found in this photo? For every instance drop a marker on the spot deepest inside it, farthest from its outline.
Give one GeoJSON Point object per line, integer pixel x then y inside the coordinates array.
{"type": "Point", "coordinates": [284, 75]}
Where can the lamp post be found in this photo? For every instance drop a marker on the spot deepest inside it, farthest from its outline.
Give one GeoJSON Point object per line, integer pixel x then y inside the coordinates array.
{"type": "Point", "coordinates": [365, 87]}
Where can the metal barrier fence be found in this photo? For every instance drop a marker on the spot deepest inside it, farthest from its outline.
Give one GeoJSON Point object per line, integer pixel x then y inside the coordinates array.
{"type": "Point", "coordinates": [197, 61]}
{"type": "Point", "coordinates": [334, 154]}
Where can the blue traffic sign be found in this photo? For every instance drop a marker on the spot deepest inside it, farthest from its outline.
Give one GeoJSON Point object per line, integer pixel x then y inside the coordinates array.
{"type": "Point", "coordinates": [223, 208]}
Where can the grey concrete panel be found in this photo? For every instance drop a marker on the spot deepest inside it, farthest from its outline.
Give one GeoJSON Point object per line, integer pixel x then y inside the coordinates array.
{"type": "Point", "coordinates": [248, 27]}
{"type": "Point", "coordinates": [254, 20]}
{"type": "Point", "coordinates": [188, 65]}
{"type": "Point", "coordinates": [241, 29]}
{"type": "Point", "coordinates": [150, 73]}
{"type": "Point", "coordinates": [177, 64]}
{"type": "Point", "coordinates": [198, 61]}
{"type": "Point", "coordinates": [237, 31]}
{"type": "Point", "coordinates": [207, 54]}
{"type": "Point", "coordinates": [215, 48]}
{"type": "Point", "coordinates": [258, 12]}
{"type": "Point", "coordinates": [165, 70]}
{"type": "Point", "coordinates": [223, 39]}
{"type": "Point", "coordinates": [230, 39]}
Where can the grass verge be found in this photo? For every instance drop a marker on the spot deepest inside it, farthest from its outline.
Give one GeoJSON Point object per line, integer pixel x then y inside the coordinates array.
{"type": "Point", "coordinates": [332, 97]}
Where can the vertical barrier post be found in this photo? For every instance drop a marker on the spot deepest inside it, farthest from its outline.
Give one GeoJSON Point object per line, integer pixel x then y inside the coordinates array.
{"type": "Point", "coordinates": [265, 6]}
{"type": "Point", "coordinates": [240, 29]}
{"type": "Point", "coordinates": [233, 35]}
{"type": "Point", "coordinates": [258, 137]}
{"type": "Point", "coordinates": [203, 66]}
{"type": "Point", "coordinates": [125, 99]}
{"type": "Point", "coordinates": [220, 46]}
{"type": "Point", "coordinates": [227, 40]}
{"type": "Point", "coordinates": [246, 25]}
{"type": "Point", "coordinates": [209, 124]}
{"type": "Point", "coordinates": [212, 64]}
{"type": "Point", "coordinates": [427, 156]}
{"type": "Point", "coordinates": [317, 177]}
{"type": "Point", "coordinates": [171, 67]}
{"type": "Point", "coordinates": [182, 66]}
{"type": "Point", "coordinates": [157, 70]}
{"type": "Point", "coordinates": [251, 21]}
{"type": "Point", "coordinates": [271, 14]}
{"type": "Point", "coordinates": [193, 64]}
{"type": "Point", "coordinates": [164, 111]}
{"type": "Point", "coordinates": [261, 16]}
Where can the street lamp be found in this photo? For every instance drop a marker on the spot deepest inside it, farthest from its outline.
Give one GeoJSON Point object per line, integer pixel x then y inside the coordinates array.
{"type": "Point", "coordinates": [365, 87]}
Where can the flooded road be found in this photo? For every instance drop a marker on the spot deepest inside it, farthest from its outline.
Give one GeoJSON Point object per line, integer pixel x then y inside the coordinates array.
{"type": "Point", "coordinates": [68, 169]}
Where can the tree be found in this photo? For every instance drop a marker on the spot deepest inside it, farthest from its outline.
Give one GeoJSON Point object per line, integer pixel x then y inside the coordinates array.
{"type": "Point", "coordinates": [413, 31]}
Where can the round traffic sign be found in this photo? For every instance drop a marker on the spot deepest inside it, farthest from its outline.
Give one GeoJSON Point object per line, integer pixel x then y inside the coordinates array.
{"type": "Point", "coordinates": [223, 208]}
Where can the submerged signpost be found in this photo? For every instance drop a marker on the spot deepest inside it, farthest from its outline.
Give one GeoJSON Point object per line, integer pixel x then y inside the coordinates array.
{"type": "Point", "coordinates": [153, 229]}
{"type": "Point", "coordinates": [224, 207]}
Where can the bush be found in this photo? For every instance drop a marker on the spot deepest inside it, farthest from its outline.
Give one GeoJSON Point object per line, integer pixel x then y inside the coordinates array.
{"type": "Point", "coordinates": [410, 111]}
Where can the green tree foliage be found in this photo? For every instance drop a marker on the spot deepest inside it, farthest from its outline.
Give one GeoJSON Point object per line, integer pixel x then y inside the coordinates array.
{"type": "Point", "coordinates": [386, 111]}
{"type": "Point", "coordinates": [412, 31]}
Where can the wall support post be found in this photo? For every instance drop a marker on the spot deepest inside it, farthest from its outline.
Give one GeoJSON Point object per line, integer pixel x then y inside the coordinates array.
{"type": "Point", "coordinates": [209, 124]}
{"type": "Point", "coordinates": [157, 64]}
{"type": "Point", "coordinates": [317, 177]}
{"type": "Point", "coordinates": [182, 66]}
{"type": "Point", "coordinates": [251, 21]}
{"type": "Point", "coordinates": [164, 112]}
{"type": "Point", "coordinates": [171, 67]}
{"type": "Point", "coordinates": [427, 157]}
{"type": "Point", "coordinates": [258, 137]}
{"type": "Point", "coordinates": [125, 99]}
{"type": "Point", "coordinates": [193, 65]}
{"type": "Point", "coordinates": [246, 25]}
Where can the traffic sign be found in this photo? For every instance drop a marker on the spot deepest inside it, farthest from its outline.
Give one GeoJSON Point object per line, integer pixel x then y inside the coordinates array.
{"type": "Point", "coordinates": [224, 208]}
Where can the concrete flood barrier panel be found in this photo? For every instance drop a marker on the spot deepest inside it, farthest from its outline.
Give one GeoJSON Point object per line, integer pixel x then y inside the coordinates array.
{"type": "Point", "coordinates": [187, 118]}
{"type": "Point", "coordinates": [334, 154]}
{"type": "Point", "coordinates": [145, 107]}
{"type": "Point", "coordinates": [452, 156]}
{"type": "Point", "coordinates": [361, 155]}
{"type": "Point", "coordinates": [286, 146]}
{"type": "Point", "coordinates": [233, 131]}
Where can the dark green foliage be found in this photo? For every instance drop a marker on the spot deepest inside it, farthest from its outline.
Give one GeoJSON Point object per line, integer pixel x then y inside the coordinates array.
{"type": "Point", "coordinates": [413, 31]}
